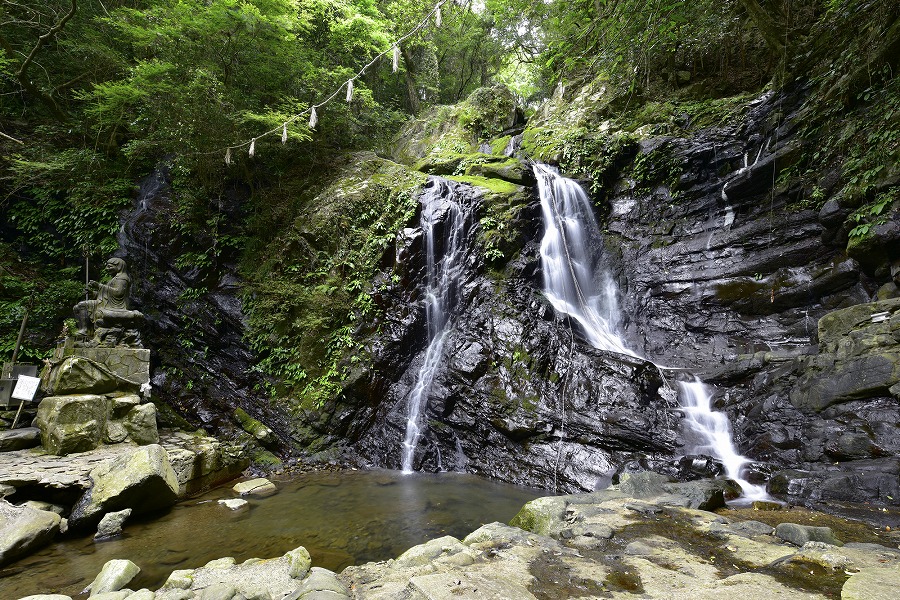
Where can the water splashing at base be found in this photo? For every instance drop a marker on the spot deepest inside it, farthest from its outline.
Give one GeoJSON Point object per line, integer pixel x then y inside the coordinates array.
{"type": "Point", "coordinates": [714, 430]}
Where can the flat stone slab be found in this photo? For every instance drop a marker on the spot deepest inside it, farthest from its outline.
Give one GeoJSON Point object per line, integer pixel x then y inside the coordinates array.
{"type": "Point", "coordinates": [19, 439]}
{"type": "Point", "coordinates": [27, 468]}
{"type": "Point", "coordinates": [259, 487]}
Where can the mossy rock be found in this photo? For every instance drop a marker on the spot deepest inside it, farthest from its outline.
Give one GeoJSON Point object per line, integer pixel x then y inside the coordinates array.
{"type": "Point", "coordinates": [541, 515]}
{"type": "Point", "coordinates": [489, 111]}
{"type": "Point", "coordinates": [440, 165]}
{"type": "Point", "coordinates": [512, 170]}
{"type": "Point", "coordinates": [445, 132]}
{"type": "Point", "coordinates": [494, 186]}
{"type": "Point", "coordinates": [255, 428]}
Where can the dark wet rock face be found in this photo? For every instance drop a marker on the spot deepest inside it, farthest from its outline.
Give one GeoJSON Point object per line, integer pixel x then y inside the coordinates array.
{"type": "Point", "coordinates": [720, 275]}
{"type": "Point", "coordinates": [519, 396]}
{"type": "Point", "coordinates": [200, 364]}
{"type": "Point", "coordinates": [739, 283]}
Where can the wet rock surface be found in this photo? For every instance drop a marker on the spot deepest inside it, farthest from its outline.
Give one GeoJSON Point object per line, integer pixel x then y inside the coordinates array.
{"type": "Point", "coordinates": [720, 274]}
{"type": "Point", "coordinates": [23, 529]}
{"type": "Point", "coordinates": [200, 364]}
{"type": "Point", "coordinates": [609, 544]}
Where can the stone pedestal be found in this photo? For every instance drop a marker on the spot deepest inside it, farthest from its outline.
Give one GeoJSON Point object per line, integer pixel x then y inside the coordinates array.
{"type": "Point", "coordinates": [130, 364]}
{"type": "Point", "coordinates": [78, 423]}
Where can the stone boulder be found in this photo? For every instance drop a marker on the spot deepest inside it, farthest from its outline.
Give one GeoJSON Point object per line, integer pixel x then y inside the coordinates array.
{"type": "Point", "coordinates": [200, 461]}
{"type": "Point", "coordinates": [257, 429]}
{"type": "Point", "coordinates": [140, 423]}
{"type": "Point", "coordinates": [259, 488]}
{"type": "Point", "coordinates": [859, 356]}
{"type": "Point", "coordinates": [111, 524]}
{"type": "Point", "coordinates": [114, 576]}
{"type": "Point", "coordinates": [801, 534]}
{"type": "Point", "coordinates": [142, 481]}
{"type": "Point", "coordinates": [19, 439]}
{"type": "Point", "coordinates": [73, 423]}
{"type": "Point", "coordinates": [287, 577]}
{"type": "Point", "coordinates": [24, 529]}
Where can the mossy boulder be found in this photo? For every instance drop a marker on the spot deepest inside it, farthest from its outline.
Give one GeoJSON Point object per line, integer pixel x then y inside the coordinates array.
{"type": "Point", "coordinates": [24, 529]}
{"type": "Point", "coordinates": [540, 515]}
{"type": "Point", "coordinates": [255, 428]}
{"type": "Point", "coordinates": [71, 424]}
{"type": "Point", "coordinates": [860, 356]}
{"type": "Point", "coordinates": [443, 134]}
{"type": "Point", "coordinates": [142, 481]}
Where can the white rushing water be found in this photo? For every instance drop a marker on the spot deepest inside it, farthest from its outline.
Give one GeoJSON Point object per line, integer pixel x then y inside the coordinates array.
{"type": "Point", "coordinates": [574, 288]}
{"type": "Point", "coordinates": [444, 227]}
{"type": "Point", "coordinates": [714, 431]}
{"type": "Point", "coordinates": [569, 273]}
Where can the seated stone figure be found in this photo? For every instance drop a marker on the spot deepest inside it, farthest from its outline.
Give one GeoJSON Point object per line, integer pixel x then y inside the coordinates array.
{"type": "Point", "coordinates": [107, 321]}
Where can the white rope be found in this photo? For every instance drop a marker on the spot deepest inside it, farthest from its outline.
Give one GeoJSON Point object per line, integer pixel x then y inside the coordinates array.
{"type": "Point", "coordinates": [313, 117]}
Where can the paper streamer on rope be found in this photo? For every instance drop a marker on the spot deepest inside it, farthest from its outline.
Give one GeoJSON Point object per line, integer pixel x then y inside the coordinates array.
{"type": "Point", "coordinates": [313, 117]}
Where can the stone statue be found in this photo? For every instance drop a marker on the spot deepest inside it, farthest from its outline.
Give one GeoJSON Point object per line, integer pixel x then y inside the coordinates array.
{"type": "Point", "coordinates": [106, 320]}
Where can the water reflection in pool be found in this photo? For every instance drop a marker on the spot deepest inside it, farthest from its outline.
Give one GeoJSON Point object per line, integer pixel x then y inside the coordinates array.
{"type": "Point", "coordinates": [342, 518]}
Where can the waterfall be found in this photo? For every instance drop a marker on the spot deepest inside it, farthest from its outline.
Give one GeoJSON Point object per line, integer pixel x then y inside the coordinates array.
{"type": "Point", "coordinates": [445, 226]}
{"type": "Point", "coordinates": [714, 431]}
{"type": "Point", "coordinates": [569, 275]}
{"type": "Point", "coordinates": [575, 288]}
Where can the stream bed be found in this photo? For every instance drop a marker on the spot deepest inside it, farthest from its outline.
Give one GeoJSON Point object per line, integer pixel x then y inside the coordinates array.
{"type": "Point", "coordinates": [342, 518]}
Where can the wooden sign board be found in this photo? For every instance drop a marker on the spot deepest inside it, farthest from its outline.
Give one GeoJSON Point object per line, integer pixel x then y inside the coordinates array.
{"type": "Point", "coordinates": [26, 388]}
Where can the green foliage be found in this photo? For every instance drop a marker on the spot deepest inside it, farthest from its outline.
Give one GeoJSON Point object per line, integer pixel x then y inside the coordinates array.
{"type": "Point", "coordinates": [634, 42]}
{"type": "Point", "coordinates": [310, 297]}
{"type": "Point", "coordinates": [488, 111]}
{"type": "Point", "coordinates": [63, 202]}
{"type": "Point", "coordinates": [658, 167]}
{"type": "Point", "coordinates": [851, 119]}
{"type": "Point", "coordinates": [872, 214]}
{"type": "Point", "coordinates": [55, 292]}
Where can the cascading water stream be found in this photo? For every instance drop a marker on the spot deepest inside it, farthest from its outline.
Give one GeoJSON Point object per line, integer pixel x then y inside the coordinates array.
{"type": "Point", "coordinates": [714, 429]}
{"type": "Point", "coordinates": [445, 226]}
{"type": "Point", "coordinates": [570, 284]}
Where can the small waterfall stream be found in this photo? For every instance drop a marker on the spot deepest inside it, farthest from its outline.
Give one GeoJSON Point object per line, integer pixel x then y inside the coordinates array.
{"type": "Point", "coordinates": [571, 285]}
{"type": "Point", "coordinates": [445, 226]}
{"type": "Point", "coordinates": [714, 429]}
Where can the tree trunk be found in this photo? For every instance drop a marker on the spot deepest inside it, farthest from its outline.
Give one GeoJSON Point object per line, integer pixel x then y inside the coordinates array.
{"type": "Point", "coordinates": [412, 88]}
{"type": "Point", "coordinates": [771, 27]}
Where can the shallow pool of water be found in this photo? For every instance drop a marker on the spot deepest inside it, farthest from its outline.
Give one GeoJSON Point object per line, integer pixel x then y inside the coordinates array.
{"type": "Point", "coordinates": [342, 518]}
